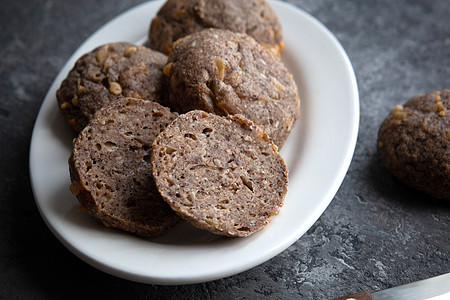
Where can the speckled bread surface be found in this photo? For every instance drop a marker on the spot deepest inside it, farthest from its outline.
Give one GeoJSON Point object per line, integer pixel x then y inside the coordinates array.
{"type": "Point", "coordinates": [110, 167]}
{"type": "Point", "coordinates": [227, 73]}
{"type": "Point", "coordinates": [221, 174]}
{"type": "Point", "coordinates": [107, 73]}
{"type": "Point", "coordinates": [177, 19]}
{"type": "Point", "coordinates": [414, 143]}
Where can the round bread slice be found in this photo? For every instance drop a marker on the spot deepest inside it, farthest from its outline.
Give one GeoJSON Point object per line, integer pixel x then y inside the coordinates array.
{"type": "Point", "coordinates": [110, 167]}
{"type": "Point", "coordinates": [228, 73]}
{"type": "Point", "coordinates": [414, 143]}
{"type": "Point", "coordinates": [177, 19]}
{"type": "Point", "coordinates": [222, 174]}
{"type": "Point", "coordinates": [107, 73]}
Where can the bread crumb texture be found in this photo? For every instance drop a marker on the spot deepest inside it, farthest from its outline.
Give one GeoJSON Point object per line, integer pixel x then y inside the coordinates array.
{"type": "Point", "coordinates": [110, 167]}
{"type": "Point", "coordinates": [220, 174]}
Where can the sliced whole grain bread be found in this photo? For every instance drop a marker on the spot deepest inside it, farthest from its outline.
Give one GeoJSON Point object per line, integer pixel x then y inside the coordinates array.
{"type": "Point", "coordinates": [107, 73]}
{"type": "Point", "coordinates": [222, 174]}
{"type": "Point", "coordinates": [230, 73]}
{"type": "Point", "coordinates": [177, 19]}
{"type": "Point", "coordinates": [110, 167]}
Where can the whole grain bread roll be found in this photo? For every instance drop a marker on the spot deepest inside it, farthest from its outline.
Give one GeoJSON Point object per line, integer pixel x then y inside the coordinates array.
{"type": "Point", "coordinates": [414, 143]}
{"type": "Point", "coordinates": [177, 19]}
{"type": "Point", "coordinates": [110, 167]}
{"type": "Point", "coordinates": [228, 73]}
{"type": "Point", "coordinates": [221, 174]}
{"type": "Point", "coordinates": [107, 73]}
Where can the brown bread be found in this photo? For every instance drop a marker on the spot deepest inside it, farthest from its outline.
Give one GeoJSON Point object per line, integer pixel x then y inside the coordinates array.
{"type": "Point", "coordinates": [108, 73]}
{"type": "Point", "coordinates": [177, 19]}
{"type": "Point", "coordinates": [222, 174]}
{"type": "Point", "coordinates": [227, 73]}
{"type": "Point", "coordinates": [110, 167]}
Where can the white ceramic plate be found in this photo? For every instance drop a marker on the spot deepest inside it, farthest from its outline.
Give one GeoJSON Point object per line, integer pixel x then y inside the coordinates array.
{"type": "Point", "coordinates": [317, 153]}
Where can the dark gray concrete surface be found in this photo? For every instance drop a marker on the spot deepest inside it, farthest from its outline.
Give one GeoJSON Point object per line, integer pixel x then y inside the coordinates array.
{"type": "Point", "coordinates": [375, 234]}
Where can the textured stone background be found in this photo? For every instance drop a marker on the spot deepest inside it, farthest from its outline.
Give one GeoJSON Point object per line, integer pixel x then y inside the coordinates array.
{"type": "Point", "coordinates": [375, 234]}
